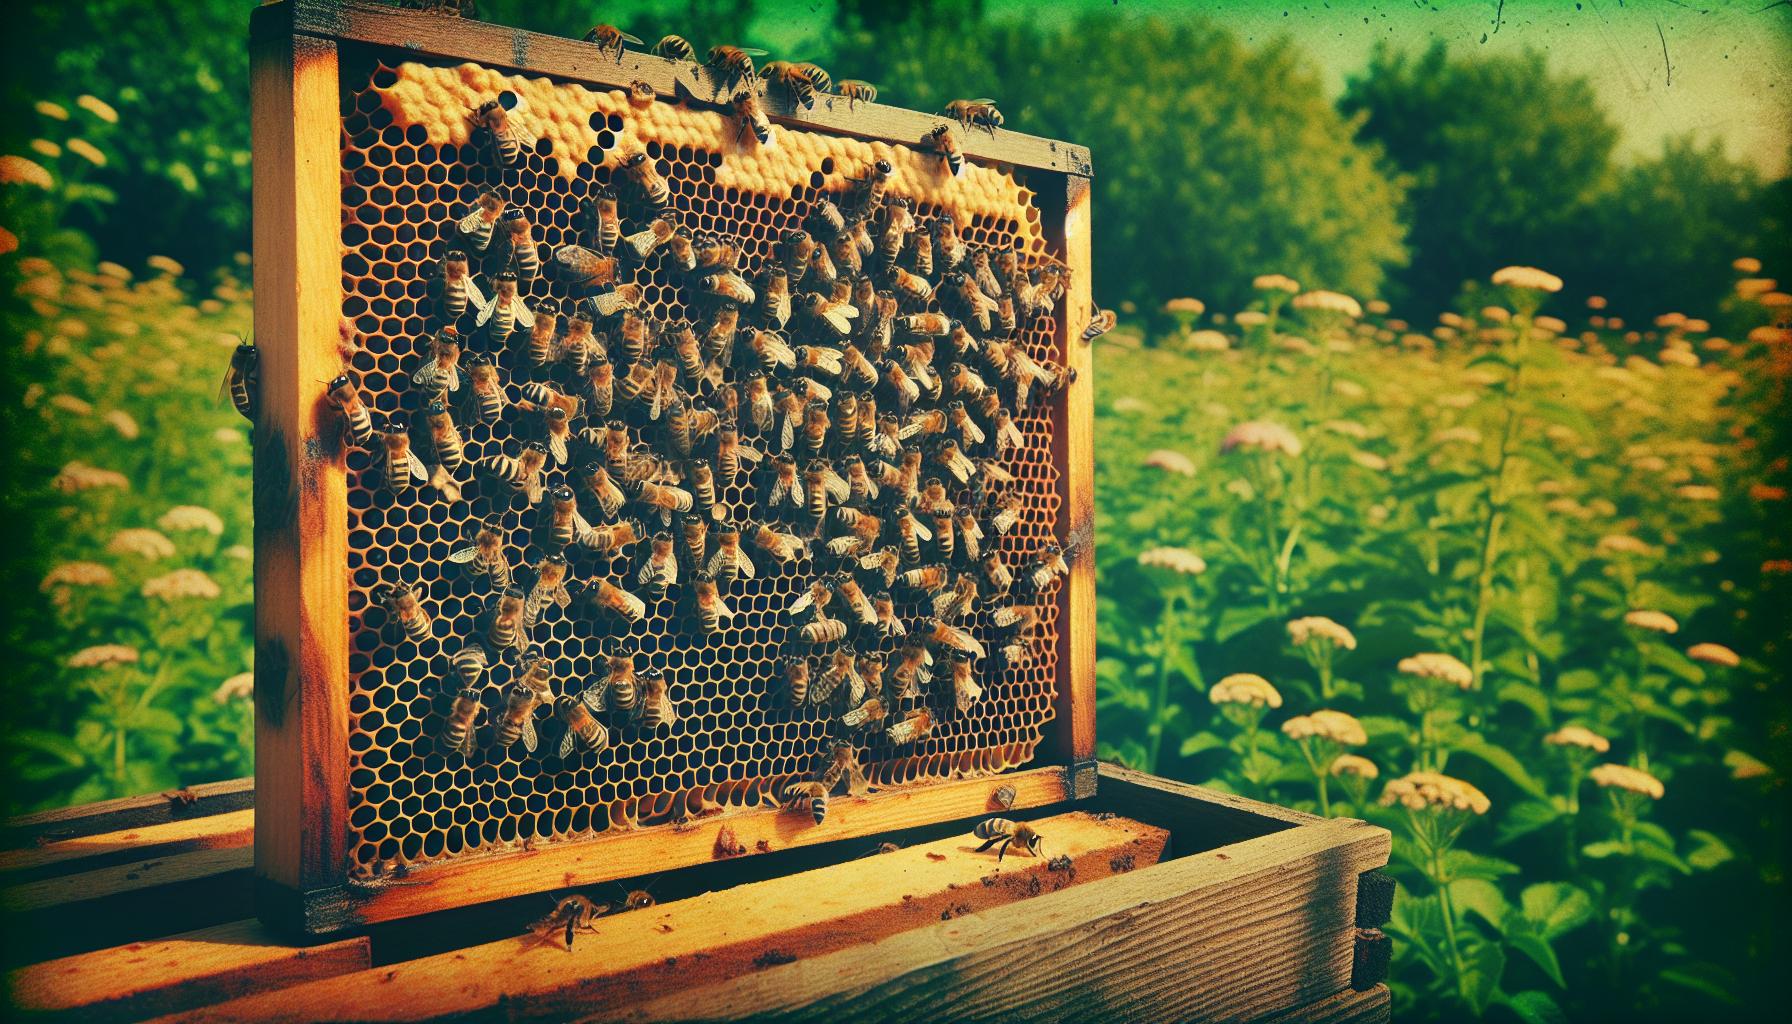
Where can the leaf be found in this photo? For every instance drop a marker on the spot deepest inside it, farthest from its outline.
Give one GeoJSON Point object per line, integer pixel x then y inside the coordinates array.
{"type": "Point", "coordinates": [1527, 696]}
{"type": "Point", "coordinates": [1534, 1007]}
{"type": "Point", "coordinates": [1481, 975]}
{"type": "Point", "coordinates": [59, 747]}
{"type": "Point", "coordinates": [1464, 864]}
{"type": "Point", "coordinates": [1603, 849]}
{"type": "Point", "coordinates": [1524, 818]}
{"type": "Point", "coordinates": [1709, 852]}
{"type": "Point", "coordinates": [1502, 761]}
{"type": "Point", "coordinates": [1483, 898]}
{"type": "Point", "coordinates": [1707, 979]}
{"type": "Point", "coordinates": [1199, 742]}
{"type": "Point", "coordinates": [1537, 949]}
{"type": "Point", "coordinates": [1556, 908]}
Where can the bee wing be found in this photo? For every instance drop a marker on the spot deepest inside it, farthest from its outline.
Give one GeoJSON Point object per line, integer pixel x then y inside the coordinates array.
{"type": "Point", "coordinates": [839, 319]}
{"type": "Point", "coordinates": [566, 745]}
{"type": "Point", "coordinates": [530, 739]}
{"type": "Point", "coordinates": [593, 697]}
{"type": "Point", "coordinates": [486, 309]}
{"type": "Point", "coordinates": [642, 242]}
{"type": "Point", "coordinates": [474, 295]}
{"type": "Point", "coordinates": [921, 529]}
{"type": "Point", "coordinates": [557, 448]}
{"type": "Point", "coordinates": [836, 486]}
{"type": "Point", "coordinates": [608, 303]}
{"type": "Point", "coordinates": [415, 466]}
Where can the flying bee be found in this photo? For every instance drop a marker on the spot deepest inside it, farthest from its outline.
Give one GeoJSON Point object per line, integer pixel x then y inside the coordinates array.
{"type": "Point", "coordinates": [656, 707]}
{"type": "Point", "coordinates": [475, 227]}
{"type": "Point", "coordinates": [606, 596]}
{"type": "Point", "coordinates": [504, 311]}
{"type": "Point", "coordinates": [711, 609]}
{"type": "Point", "coordinates": [522, 472]}
{"type": "Point", "coordinates": [1046, 566]}
{"type": "Point", "coordinates": [731, 65]}
{"type": "Point", "coordinates": [404, 611]}
{"type": "Point", "coordinates": [823, 631]}
{"type": "Point", "coordinates": [572, 914]}
{"type": "Point", "coordinates": [966, 691]}
{"type": "Point", "coordinates": [613, 537]}
{"type": "Point", "coordinates": [807, 797]}
{"type": "Point", "coordinates": [647, 178]}
{"type": "Point", "coordinates": [750, 117]}
{"type": "Point", "coordinates": [942, 143]}
{"type": "Point", "coordinates": [675, 48]}
{"type": "Point", "coordinates": [960, 600]}
{"type": "Point", "coordinates": [549, 588]}
{"type": "Point", "coordinates": [951, 637]}
{"type": "Point", "coordinates": [485, 557]}
{"type": "Point", "coordinates": [357, 420]}
{"type": "Point", "coordinates": [789, 79]}
{"type": "Point", "coordinates": [856, 92]}
{"type": "Point", "coordinates": [440, 373]}
{"type": "Point", "coordinates": [453, 289]}
{"type": "Point", "coordinates": [583, 269]}
{"type": "Point", "coordinates": [242, 378]}
{"type": "Point", "coordinates": [1000, 830]}
{"type": "Point", "coordinates": [1101, 323]}
{"type": "Point", "coordinates": [495, 121]}
{"type": "Point", "coordinates": [915, 727]}
{"type": "Point", "coordinates": [504, 625]}
{"type": "Point", "coordinates": [402, 467]}
{"type": "Point", "coordinates": [979, 113]}
{"type": "Point", "coordinates": [659, 570]}
{"type": "Point", "coordinates": [463, 718]}
{"type": "Point", "coordinates": [583, 733]}
{"type": "Point", "coordinates": [607, 38]}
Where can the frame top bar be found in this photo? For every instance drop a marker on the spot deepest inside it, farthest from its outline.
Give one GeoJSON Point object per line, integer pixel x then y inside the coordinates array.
{"type": "Point", "coordinates": [433, 35]}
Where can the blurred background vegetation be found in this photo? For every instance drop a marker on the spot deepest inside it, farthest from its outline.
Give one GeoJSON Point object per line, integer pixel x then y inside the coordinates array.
{"type": "Point", "coordinates": [1223, 149]}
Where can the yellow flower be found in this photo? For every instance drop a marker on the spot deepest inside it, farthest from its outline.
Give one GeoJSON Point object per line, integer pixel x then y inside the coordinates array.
{"type": "Point", "coordinates": [53, 111]}
{"type": "Point", "coordinates": [103, 655]}
{"type": "Point", "coordinates": [1208, 341]}
{"type": "Point", "coordinates": [1275, 283]}
{"type": "Point", "coordinates": [1749, 287]}
{"type": "Point", "coordinates": [1667, 320]}
{"type": "Point", "coordinates": [1376, 307]}
{"type": "Point", "coordinates": [1496, 314]}
{"type": "Point", "coordinates": [1631, 780]}
{"type": "Point", "coordinates": [238, 687]}
{"type": "Point", "coordinates": [16, 170]}
{"type": "Point", "coordinates": [45, 147]}
{"type": "Point", "coordinates": [1746, 265]}
{"type": "Point", "coordinates": [1714, 654]}
{"type": "Point", "coordinates": [1329, 302]}
{"type": "Point", "coordinates": [1349, 388]}
{"type": "Point", "coordinates": [180, 584]}
{"type": "Point", "coordinates": [1178, 560]}
{"type": "Point", "coordinates": [1296, 344]}
{"type": "Point", "coordinates": [1695, 326]}
{"type": "Point", "coordinates": [122, 422]}
{"type": "Point", "coordinates": [78, 574]}
{"type": "Point", "coordinates": [1575, 736]}
{"type": "Point", "coordinates": [1251, 318]}
{"type": "Point", "coordinates": [1354, 766]}
{"type": "Point", "coordinates": [191, 519]}
{"type": "Point", "coordinates": [1595, 302]}
{"type": "Point", "coordinates": [1369, 461]}
{"type": "Point", "coordinates": [78, 476]}
{"type": "Point", "coordinates": [71, 404]}
{"type": "Point", "coordinates": [1653, 621]}
{"type": "Point", "coordinates": [1130, 404]}
{"type": "Point", "coordinates": [1698, 492]}
{"type": "Point", "coordinates": [1774, 300]}
{"type": "Point", "coordinates": [1769, 335]}
{"type": "Point", "coordinates": [1527, 277]}
{"type": "Point", "coordinates": [1454, 435]}
{"type": "Point", "coordinates": [9, 242]}
{"type": "Point", "coordinates": [1429, 790]}
{"type": "Point", "coordinates": [1550, 324]}
{"type": "Point", "coordinates": [1186, 306]}
{"type": "Point", "coordinates": [1335, 726]}
{"type": "Point", "coordinates": [1439, 666]}
{"type": "Point", "coordinates": [1678, 357]}
{"type": "Point", "coordinates": [1263, 436]}
{"type": "Point", "coordinates": [144, 543]}
{"type": "Point", "coordinates": [98, 108]}
{"type": "Point", "coordinates": [1318, 627]}
{"type": "Point", "coordinates": [1346, 428]}
{"type": "Point", "coordinates": [240, 552]}
{"type": "Point", "coordinates": [1170, 462]}
{"type": "Point", "coordinates": [166, 265]}
{"type": "Point", "coordinates": [1766, 492]}
{"type": "Point", "coordinates": [115, 271]}
{"type": "Point", "coordinates": [1245, 688]}
{"type": "Point", "coordinates": [1624, 544]}
{"type": "Point", "coordinates": [87, 151]}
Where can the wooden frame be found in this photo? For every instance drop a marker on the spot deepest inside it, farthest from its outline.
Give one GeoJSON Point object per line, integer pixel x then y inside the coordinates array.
{"type": "Point", "coordinates": [300, 480]}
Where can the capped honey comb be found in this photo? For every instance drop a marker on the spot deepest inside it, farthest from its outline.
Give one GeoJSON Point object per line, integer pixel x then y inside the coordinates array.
{"type": "Point", "coordinates": [409, 168]}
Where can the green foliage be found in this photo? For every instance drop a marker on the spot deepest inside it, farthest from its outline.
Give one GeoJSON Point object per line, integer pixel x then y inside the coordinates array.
{"type": "Point", "coordinates": [1210, 156]}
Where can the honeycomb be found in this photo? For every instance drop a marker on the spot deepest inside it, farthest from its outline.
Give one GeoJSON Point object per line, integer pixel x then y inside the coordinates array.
{"type": "Point", "coordinates": [409, 170]}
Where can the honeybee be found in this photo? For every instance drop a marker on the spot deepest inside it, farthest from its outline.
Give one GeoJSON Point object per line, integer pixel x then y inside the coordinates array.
{"type": "Point", "coordinates": [966, 691]}
{"type": "Point", "coordinates": [822, 630]}
{"type": "Point", "coordinates": [815, 600]}
{"type": "Point", "coordinates": [463, 718]}
{"type": "Point", "coordinates": [843, 763]}
{"type": "Point", "coordinates": [731, 287]}
{"type": "Point", "coordinates": [915, 726]}
{"type": "Point", "coordinates": [1007, 514]}
{"type": "Point", "coordinates": [1046, 566]}
{"type": "Point", "coordinates": [996, 573]}
{"type": "Point", "coordinates": [1003, 797]}
{"type": "Point", "coordinates": [665, 498]}
{"type": "Point", "coordinates": [825, 221]}
{"type": "Point", "coordinates": [583, 268]}
{"type": "Point", "coordinates": [572, 914]}
{"type": "Point", "coordinates": [857, 91]}
{"type": "Point", "coordinates": [621, 682]}
{"type": "Point", "coordinates": [1000, 830]}
{"type": "Point", "coordinates": [696, 540]}
{"type": "Point", "coordinates": [789, 79]}
{"type": "Point", "coordinates": [503, 312]}
{"type": "Point", "coordinates": [911, 288]}
{"type": "Point", "coordinates": [535, 672]}
{"type": "Point", "coordinates": [613, 537]}
{"type": "Point", "coordinates": [731, 65]}
{"type": "Point", "coordinates": [884, 562]}
{"type": "Point", "coordinates": [562, 519]}
{"type": "Point", "coordinates": [402, 467]}
{"type": "Point", "coordinates": [488, 397]}
{"type": "Point", "coordinates": [810, 797]}
{"type": "Point", "coordinates": [751, 117]}
{"type": "Point", "coordinates": [784, 547]}
{"type": "Point", "coordinates": [866, 715]}
{"type": "Point", "coordinates": [1101, 323]}
{"type": "Point", "coordinates": [620, 298]}
{"type": "Point", "coordinates": [944, 144]}
{"type": "Point", "coordinates": [646, 177]}
{"type": "Point", "coordinates": [951, 637]}
{"type": "Point", "coordinates": [729, 562]}
{"type": "Point", "coordinates": [241, 380]}
{"type": "Point", "coordinates": [440, 373]}
{"type": "Point", "coordinates": [599, 221]}
{"type": "Point", "coordinates": [681, 251]}
{"type": "Point", "coordinates": [923, 243]}
{"type": "Point", "coordinates": [609, 37]}
{"type": "Point", "coordinates": [518, 252]}
{"type": "Point", "coordinates": [606, 596]}
{"type": "Point", "coordinates": [887, 622]}
{"type": "Point", "coordinates": [485, 557]}
{"type": "Point", "coordinates": [643, 243]}
{"type": "Point", "coordinates": [960, 600]}
{"type": "Point", "coordinates": [453, 289]}
{"type": "Point", "coordinates": [979, 113]}
{"type": "Point", "coordinates": [796, 677]}
{"type": "Point", "coordinates": [834, 317]}
{"type": "Point", "coordinates": [357, 420]}
{"type": "Point", "coordinates": [522, 472]}
{"type": "Point", "coordinates": [549, 588]}
{"type": "Point", "coordinates": [712, 610]}
{"type": "Point", "coordinates": [930, 579]}
{"type": "Point", "coordinates": [842, 671]}
{"type": "Point", "coordinates": [495, 121]}
{"type": "Point", "coordinates": [674, 48]}
{"type": "Point", "coordinates": [853, 597]}
{"type": "Point", "coordinates": [475, 227]}
{"type": "Point", "coordinates": [469, 663]}
{"type": "Point", "coordinates": [504, 625]}
{"type": "Point", "coordinates": [656, 708]}
{"type": "Point", "coordinates": [583, 733]}
{"type": "Point", "coordinates": [445, 437]}
{"type": "Point", "coordinates": [795, 250]}
{"type": "Point", "coordinates": [404, 611]}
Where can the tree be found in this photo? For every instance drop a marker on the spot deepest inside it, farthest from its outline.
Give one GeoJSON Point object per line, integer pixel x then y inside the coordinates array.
{"type": "Point", "coordinates": [1502, 160]}
{"type": "Point", "coordinates": [1213, 161]}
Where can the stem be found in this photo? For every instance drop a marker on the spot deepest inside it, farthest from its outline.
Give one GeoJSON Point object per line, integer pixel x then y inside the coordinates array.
{"type": "Point", "coordinates": [1319, 776]}
{"type": "Point", "coordinates": [1435, 850]}
{"type": "Point", "coordinates": [1325, 673]}
{"type": "Point", "coordinates": [1164, 630]}
{"type": "Point", "coordinates": [1637, 725]}
{"type": "Point", "coordinates": [1496, 500]}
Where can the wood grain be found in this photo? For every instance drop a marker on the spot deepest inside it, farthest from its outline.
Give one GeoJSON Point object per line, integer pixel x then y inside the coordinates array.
{"type": "Point", "coordinates": [301, 576]}
{"type": "Point", "coordinates": [740, 931]}
{"type": "Point", "coordinates": [129, 812]}
{"type": "Point", "coordinates": [1232, 934]}
{"type": "Point", "coordinates": [423, 36]}
{"type": "Point", "coordinates": [1075, 455]}
{"type": "Point", "coordinates": [634, 854]}
{"type": "Point", "coordinates": [145, 979]}
{"type": "Point", "coordinates": [233, 829]}
{"type": "Point", "coordinates": [1370, 1006]}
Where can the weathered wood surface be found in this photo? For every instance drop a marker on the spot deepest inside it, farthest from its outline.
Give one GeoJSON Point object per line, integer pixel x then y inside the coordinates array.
{"type": "Point", "coordinates": [1075, 424]}
{"type": "Point", "coordinates": [634, 854]}
{"type": "Point", "coordinates": [201, 801]}
{"type": "Point", "coordinates": [147, 979]}
{"type": "Point", "coordinates": [301, 526]}
{"type": "Point", "coordinates": [1370, 1006]}
{"type": "Point", "coordinates": [229, 830]}
{"type": "Point", "coordinates": [740, 931]}
{"type": "Point", "coordinates": [1230, 934]}
{"type": "Point", "coordinates": [426, 36]}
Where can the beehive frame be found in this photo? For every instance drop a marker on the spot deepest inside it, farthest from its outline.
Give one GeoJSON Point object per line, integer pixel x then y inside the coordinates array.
{"type": "Point", "coordinates": [315, 864]}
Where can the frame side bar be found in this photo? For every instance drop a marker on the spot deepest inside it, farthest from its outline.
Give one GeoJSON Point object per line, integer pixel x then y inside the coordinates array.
{"type": "Point", "coordinates": [1075, 723]}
